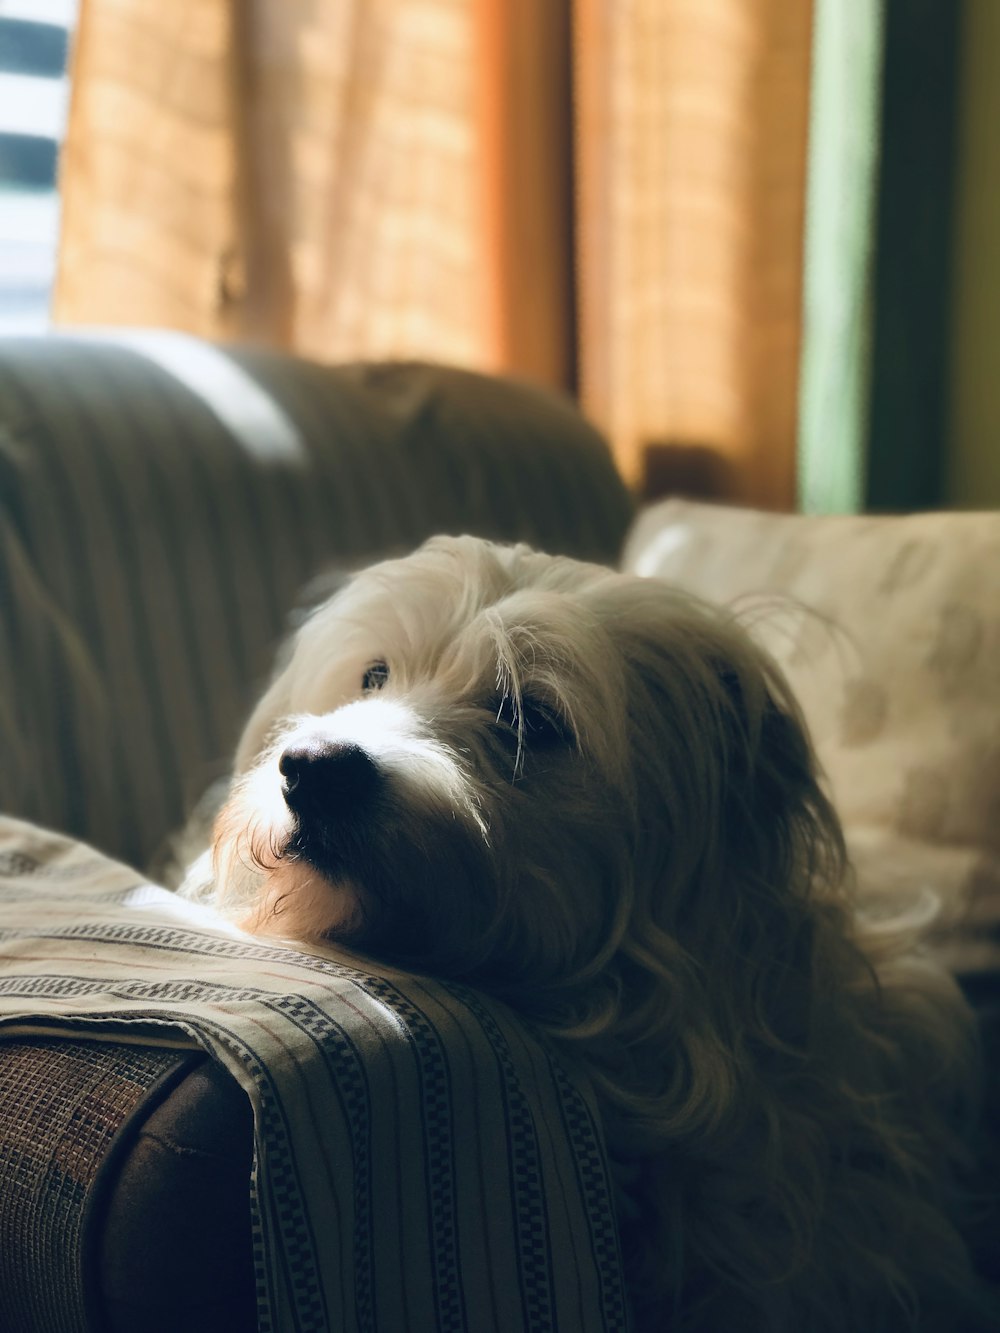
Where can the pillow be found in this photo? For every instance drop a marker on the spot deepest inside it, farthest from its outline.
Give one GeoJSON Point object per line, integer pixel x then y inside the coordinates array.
{"type": "Point", "coordinates": [889, 631]}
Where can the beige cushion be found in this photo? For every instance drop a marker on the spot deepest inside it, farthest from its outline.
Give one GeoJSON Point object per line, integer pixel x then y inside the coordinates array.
{"type": "Point", "coordinates": [898, 673]}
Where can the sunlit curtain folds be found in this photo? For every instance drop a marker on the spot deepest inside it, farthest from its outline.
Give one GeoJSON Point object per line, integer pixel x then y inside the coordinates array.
{"type": "Point", "coordinates": [601, 195]}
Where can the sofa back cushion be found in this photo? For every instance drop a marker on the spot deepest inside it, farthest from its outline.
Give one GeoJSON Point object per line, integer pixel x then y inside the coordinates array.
{"type": "Point", "coordinates": [163, 500]}
{"type": "Point", "coordinates": [889, 630]}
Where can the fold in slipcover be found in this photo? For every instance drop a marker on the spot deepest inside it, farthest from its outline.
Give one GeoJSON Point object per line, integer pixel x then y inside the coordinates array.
{"type": "Point", "coordinates": [421, 1160]}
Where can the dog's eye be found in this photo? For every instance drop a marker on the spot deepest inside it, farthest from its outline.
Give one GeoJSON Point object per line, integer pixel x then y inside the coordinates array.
{"type": "Point", "coordinates": [375, 677]}
{"type": "Point", "coordinates": [541, 724]}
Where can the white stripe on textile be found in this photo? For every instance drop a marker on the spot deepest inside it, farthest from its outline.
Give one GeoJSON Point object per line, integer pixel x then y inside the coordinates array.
{"type": "Point", "coordinates": [421, 1162]}
{"type": "Point", "coordinates": [239, 402]}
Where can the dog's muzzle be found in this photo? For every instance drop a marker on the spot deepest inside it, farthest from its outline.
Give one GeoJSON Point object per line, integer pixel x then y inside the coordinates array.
{"type": "Point", "coordinates": [324, 780]}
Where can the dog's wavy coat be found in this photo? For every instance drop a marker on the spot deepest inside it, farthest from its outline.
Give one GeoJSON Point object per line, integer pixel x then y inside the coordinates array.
{"type": "Point", "coordinates": [593, 795]}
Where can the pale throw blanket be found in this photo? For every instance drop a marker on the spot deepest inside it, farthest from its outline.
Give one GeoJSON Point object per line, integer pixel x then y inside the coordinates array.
{"type": "Point", "coordinates": [422, 1161]}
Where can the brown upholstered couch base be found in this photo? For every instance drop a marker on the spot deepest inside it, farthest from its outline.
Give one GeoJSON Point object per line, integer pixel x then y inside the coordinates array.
{"type": "Point", "coordinates": [125, 1172]}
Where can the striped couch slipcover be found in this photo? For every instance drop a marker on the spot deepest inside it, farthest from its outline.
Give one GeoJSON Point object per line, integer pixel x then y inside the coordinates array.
{"type": "Point", "coordinates": [162, 501]}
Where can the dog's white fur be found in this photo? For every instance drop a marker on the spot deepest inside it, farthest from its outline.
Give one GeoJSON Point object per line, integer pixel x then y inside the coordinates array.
{"type": "Point", "coordinates": [594, 796]}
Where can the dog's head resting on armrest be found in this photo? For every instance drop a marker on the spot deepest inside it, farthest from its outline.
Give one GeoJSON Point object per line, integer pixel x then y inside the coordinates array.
{"type": "Point", "coordinates": [594, 796]}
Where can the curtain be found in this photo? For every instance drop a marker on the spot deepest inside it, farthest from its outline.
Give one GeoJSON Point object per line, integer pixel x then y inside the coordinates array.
{"type": "Point", "coordinates": [835, 381]}
{"type": "Point", "coordinates": [603, 195]}
{"type": "Point", "coordinates": [881, 243]}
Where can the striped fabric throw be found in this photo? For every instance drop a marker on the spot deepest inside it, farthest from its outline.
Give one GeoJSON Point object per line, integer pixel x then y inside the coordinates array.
{"type": "Point", "coordinates": [422, 1162]}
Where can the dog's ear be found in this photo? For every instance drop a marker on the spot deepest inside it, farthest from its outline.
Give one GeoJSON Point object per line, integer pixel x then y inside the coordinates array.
{"type": "Point", "coordinates": [773, 798]}
{"type": "Point", "coordinates": [783, 844]}
{"type": "Point", "coordinates": [765, 730]}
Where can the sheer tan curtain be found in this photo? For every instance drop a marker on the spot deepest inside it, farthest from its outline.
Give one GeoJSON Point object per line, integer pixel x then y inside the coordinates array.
{"type": "Point", "coordinates": [692, 152]}
{"type": "Point", "coordinates": [601, 195]}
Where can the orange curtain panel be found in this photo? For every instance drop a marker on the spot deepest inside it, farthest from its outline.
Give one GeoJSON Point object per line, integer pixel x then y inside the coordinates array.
{"type": "Point", "coordinates": [603, 196]}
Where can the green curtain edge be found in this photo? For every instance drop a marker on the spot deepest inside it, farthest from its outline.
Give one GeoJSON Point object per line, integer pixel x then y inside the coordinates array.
{"type": "Point", "coordinates": [841, 201]}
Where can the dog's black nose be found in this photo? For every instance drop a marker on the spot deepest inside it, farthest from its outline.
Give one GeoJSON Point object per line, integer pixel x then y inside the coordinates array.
{"type": "Point", "coordinates": [323, 778]}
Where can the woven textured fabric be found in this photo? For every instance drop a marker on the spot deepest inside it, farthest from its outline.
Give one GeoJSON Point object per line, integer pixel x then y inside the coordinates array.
{"type": "Point", "coordinates": [161, 503]}
{"type": "Point", "coordinates": [423, 1161]}
{"type": "Point", "coordinates": [62, 1104]}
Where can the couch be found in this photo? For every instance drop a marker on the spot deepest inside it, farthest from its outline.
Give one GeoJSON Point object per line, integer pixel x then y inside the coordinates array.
{"type": "Point", "coordinates": [163, 504]}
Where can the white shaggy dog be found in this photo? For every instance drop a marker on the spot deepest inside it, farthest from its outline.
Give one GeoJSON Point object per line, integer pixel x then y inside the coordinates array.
{"type": "Point", "coordinates": [593, 796]}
